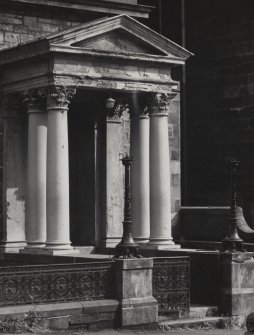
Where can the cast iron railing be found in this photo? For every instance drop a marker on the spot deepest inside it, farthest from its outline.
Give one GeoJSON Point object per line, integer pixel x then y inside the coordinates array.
{"type": "Point", "coordinates": [35, 284]}
{"type": "Point", "coordinates": [171, 284]}
{"type": "Point", "coordinates": [56, 283]}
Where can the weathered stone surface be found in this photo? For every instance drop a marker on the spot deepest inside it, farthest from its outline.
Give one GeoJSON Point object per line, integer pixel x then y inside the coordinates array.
{"type": "Point", "coordinates": [14, 175]}
{"type": "Point", "coordinates": [137, 303]}
{"type": "Point", "coordinates": [139, 311]}
{"type": "Point", "coordinates": [147, 71]}
{"type": "Point", "coordinates": [237, 288]}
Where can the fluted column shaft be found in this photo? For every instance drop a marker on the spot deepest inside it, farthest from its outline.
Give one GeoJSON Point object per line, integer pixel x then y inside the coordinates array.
{"type": "Point", "coordinates": [160, 197]}
{"type": "Point", "coordinates": [139, 148]}
{"type": "Point", "coordinates": [36, 171]}
{"type": "Point", "coordinates": [58, 230]}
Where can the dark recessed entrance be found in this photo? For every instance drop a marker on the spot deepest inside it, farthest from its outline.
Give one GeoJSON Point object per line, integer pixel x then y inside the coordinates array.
{"type": "Point", "coordinates": [81, 124]}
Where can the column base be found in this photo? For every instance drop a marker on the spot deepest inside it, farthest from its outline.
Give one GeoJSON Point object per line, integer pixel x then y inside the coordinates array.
{"type": "Point", "coordinates": [35, 245]}
{"type": "Point", "coordinates": [58, 245]}
{"type": "Point", "coordinates": [141, 240]}
{"type": "Point", "coordinates": [154, 246]}
{"type": "Point", "coordinates": [12, 246]}
{"type": "Point", "coordinates": [160, 241]}
{"type": "Point", "coordinates": [43, 251]}
{"type": "Point", "coordinates": [110, 242]}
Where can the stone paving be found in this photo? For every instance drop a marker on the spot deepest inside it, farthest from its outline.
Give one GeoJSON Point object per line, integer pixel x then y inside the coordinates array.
{"type": "Point", "coordinates": [160, 332]}
{"type": "Point", "coordinates": [147, 332]}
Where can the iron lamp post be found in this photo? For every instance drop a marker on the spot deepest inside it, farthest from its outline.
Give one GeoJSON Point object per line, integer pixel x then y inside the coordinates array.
{"type": "Point", "coordinates": [232, 242]}
{"type": "Point", "coordinates": [127, 248]}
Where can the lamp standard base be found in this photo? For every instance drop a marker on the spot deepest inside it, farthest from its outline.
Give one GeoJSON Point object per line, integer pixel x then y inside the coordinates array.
{"type": "Point", "coordinates": [127, 251]}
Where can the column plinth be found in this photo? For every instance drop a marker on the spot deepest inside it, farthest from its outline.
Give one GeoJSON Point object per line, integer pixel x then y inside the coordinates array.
{"type": "Point", "coordinates": [36, 170]}
{"type": "Point", "coordinates": [58, 225]}
{"type": "Point", "coordinates": [139, 147]}
{"type": "Point", "coordinates": [160, 197]}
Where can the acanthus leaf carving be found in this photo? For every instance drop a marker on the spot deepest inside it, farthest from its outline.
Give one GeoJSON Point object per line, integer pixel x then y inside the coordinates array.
{"type": "Point", "coordinates": [115, 113]}
{"type": "Point", "coordinates": [60, 96]}
{"type": "Point", "coordinates": [159, 103]}
{"type": "Point", "coordinates": [35, 98]}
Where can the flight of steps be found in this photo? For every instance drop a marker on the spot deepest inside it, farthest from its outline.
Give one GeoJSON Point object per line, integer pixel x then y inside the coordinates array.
{"type": "Point", "coordinates": [200, 317]}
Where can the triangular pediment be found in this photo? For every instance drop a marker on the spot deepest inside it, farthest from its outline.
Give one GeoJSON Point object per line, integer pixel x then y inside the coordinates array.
{"type": "Point", "coordinates": [118, 40]}
{"type": "Point", "coordinates": [119, 34]}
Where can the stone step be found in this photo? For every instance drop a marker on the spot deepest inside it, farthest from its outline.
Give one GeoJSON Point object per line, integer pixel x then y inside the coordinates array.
{"type": "Point", "coordinates": [199, 311]}
{"type": "Point", "coordinates": [196, 323]}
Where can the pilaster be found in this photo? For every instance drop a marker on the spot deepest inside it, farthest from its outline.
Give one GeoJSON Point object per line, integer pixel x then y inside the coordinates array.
{"type": "Point", "coordinates": [14, 172]}
{"type": "Point", "coordinates": [113, 176]}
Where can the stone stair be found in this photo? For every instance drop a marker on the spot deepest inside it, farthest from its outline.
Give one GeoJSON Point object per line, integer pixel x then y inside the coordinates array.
{"type": "Point", "coordinates": [200, 317]}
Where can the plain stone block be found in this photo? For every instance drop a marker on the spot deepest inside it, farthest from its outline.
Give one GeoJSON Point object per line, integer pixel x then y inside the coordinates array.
{"type": "Point", "coordinates": [237, 277]}
{"type": "Point", "coordinates": [134, 289]}
{"type": "Point", "coordinates": [143, 312]}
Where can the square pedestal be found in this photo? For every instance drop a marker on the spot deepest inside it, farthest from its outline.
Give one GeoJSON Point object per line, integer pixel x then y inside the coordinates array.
{"type": "Point", "coordinates": [237, 283]}
{"type": "Point", "coordinates": [134, 291]}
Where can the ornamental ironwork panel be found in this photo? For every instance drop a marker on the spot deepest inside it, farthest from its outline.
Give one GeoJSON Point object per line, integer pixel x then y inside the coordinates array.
{"type": "Point", "coordinates": [56, 283]}
{"type": "Point", "coordinates": [171, 283]}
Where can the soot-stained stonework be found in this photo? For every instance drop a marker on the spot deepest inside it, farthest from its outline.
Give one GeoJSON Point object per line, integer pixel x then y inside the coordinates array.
{"type": "Point", "coordinates": [171, 282]}
{"type": "Point", "coordinates": [56, 283]}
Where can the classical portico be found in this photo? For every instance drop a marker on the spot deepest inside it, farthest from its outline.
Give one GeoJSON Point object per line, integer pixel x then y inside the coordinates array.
{"type": "Point", "coordinates": [63, 178]}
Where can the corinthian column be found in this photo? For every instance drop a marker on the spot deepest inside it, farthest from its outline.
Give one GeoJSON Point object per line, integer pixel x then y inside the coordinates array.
{"type": "Point", "coordinates": [160, 198]}
{"type": "Point", "coordinates": [58, 230]}
{"type": "Point", "coordinates": [36, 169]}
{"type": "Point", "coordinates": [139, 148]}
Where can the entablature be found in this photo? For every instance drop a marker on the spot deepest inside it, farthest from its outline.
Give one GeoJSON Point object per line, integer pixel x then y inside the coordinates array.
{"type": "Point", "coordinates": [141, 61]}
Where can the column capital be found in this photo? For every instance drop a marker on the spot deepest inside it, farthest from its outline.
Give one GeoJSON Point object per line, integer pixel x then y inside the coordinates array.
{"type": "Point", "coordinates": [60, 96]}
{"type": "Point", "coordinates": [35, 100]}
{"type": "Point", "coordinates": [114, 114]}
{"type": "Point", "coordinates": [138, 105]}
{"type": "Point", "coordinates": [159, 103]}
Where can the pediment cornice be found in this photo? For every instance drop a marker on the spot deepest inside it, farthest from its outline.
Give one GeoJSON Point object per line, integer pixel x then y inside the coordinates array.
{"type": "Point", "coordinates": [125, 24]}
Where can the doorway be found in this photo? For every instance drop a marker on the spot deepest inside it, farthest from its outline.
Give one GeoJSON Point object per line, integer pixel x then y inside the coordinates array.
{"type": "Point", "coordinates": [81, 128]}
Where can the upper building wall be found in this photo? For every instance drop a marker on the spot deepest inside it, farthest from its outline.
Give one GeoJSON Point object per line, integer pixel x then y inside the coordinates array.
{"type": "Point", "coordinates": [220, 99]}
{"type": "Point", "coordinates": [22, 21]}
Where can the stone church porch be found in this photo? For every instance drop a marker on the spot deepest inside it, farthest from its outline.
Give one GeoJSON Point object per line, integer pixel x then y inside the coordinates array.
{"type": "Point", "coordinates": [53, 86]}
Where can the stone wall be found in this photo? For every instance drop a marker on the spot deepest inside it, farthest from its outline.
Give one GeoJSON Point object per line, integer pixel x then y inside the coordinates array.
{"type": "Point", "coordinates": [175, 164]}
{"type": "Point", "coordinates": [22, 23]}
{"type": "Point", "coordinates": [220, 99]}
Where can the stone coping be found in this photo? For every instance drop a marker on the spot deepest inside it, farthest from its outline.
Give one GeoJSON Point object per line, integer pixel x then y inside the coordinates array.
{"type": "Point", "coordinates": [89, 5]}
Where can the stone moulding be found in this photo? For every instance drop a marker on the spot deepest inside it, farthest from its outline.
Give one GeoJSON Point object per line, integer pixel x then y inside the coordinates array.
{"type": "Point", "coordinates": [141, 61]}
{"type": "Point", "coordinates": [82, 7]}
